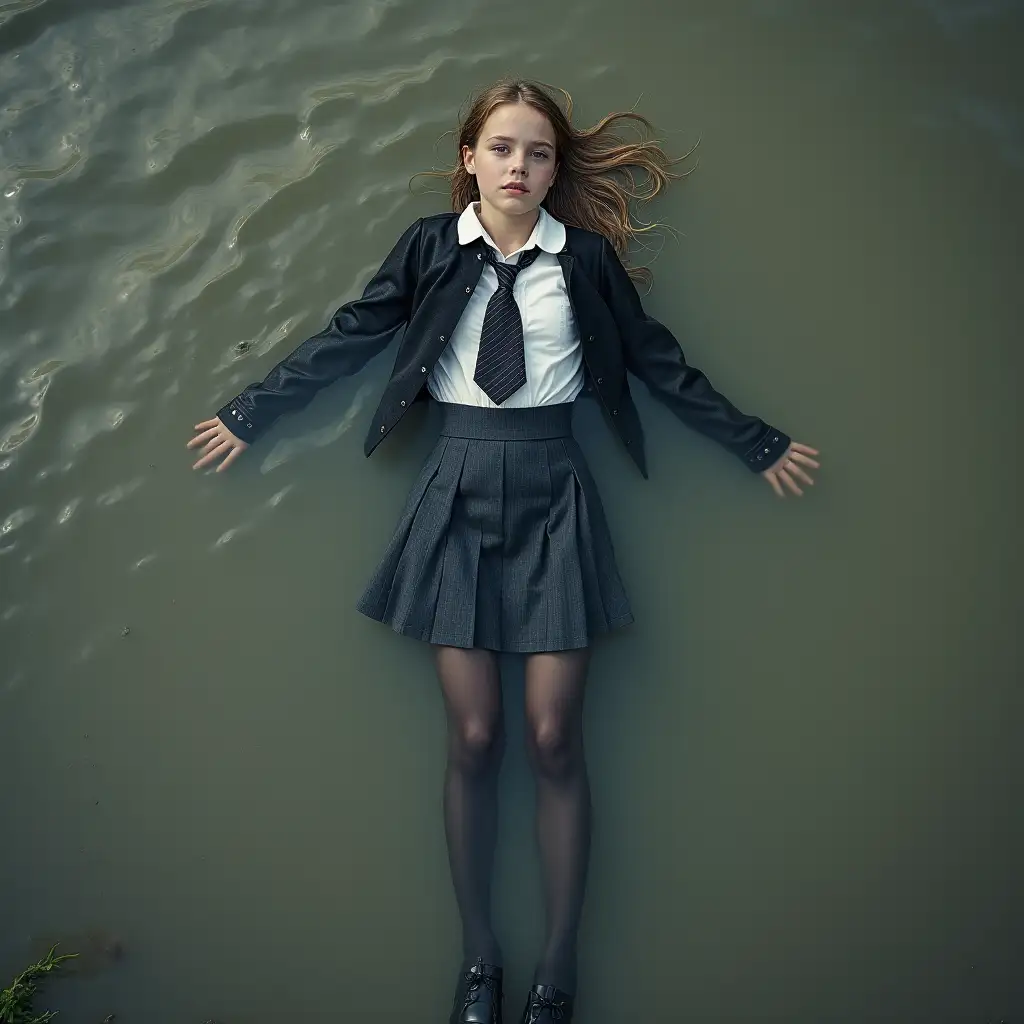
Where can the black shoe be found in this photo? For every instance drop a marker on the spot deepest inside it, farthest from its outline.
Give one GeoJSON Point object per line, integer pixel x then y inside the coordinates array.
{"type": "Point", "coordinates": [546, 1004]}
{"type": "Point", "coordinates": [478, 995]}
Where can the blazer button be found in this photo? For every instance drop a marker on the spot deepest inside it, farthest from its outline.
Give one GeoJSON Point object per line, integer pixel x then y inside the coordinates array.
{"type": "Point", "coordinates": [468, 290]}
{"type": "Point", "coordinates": [382, 428]}
{"type": "Point", "coordinates": [423, 369]}
{"type": "Point", "coordinates": [600, 380]}
{"type": "Point", "coordinates": [615, 412]}
{"type": "Point", "coordinates": [591, 338]}
{"type": "Point", "coordinates": [479, 256]}
{"type": "Point", "coordinates": [403, 403]}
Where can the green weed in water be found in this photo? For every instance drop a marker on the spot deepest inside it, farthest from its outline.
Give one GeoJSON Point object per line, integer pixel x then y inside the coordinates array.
{"type": "Point", "coordinates": [16, 1001]}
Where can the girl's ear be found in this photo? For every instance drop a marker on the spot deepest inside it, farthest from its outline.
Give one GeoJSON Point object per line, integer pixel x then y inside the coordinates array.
{"type": "Point", "coordinates": [468, 160]}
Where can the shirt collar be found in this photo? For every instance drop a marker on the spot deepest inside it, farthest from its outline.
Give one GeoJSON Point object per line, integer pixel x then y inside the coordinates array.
{"type": "Point", "coordinates": [548, 233]}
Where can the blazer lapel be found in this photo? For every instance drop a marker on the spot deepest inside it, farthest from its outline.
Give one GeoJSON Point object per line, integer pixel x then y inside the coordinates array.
{"type": "Point", "coordinates": [575, 286]}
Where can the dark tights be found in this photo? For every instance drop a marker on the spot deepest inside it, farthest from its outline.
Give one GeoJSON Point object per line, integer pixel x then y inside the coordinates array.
{"type": "Point", "coordinates": [471, 683]}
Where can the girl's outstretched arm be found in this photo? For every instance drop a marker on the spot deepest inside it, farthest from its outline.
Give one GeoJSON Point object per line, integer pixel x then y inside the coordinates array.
{"type": "Point", "coordinates": [357, 332]}
{"type": "Point", "coordinates": [654, 356]}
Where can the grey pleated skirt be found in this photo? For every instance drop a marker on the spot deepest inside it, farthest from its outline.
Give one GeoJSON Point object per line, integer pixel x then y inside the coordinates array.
{"type": "Point", "coordinates": [503, 542]}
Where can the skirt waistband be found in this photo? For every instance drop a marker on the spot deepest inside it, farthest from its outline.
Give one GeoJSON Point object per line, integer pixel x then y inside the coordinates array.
{"type": "Point", "coordinates": [530, 424]}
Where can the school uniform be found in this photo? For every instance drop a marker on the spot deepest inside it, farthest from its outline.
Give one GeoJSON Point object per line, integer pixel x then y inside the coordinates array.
{"type": "Point", "coordinates": [503, 542]}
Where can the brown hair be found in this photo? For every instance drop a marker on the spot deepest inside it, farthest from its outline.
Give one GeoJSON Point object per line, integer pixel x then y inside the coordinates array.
{"type": "Point", "coordinates": [596, 166]}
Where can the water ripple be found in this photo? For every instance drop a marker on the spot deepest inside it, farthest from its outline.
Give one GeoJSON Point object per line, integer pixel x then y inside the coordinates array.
{"type": "Point", "coordinates": [19, 174]}
{"type": "Point", "coordinates": [372, 88]}
{"type": "Point", "coordinates": [120, 492]}
{"type": "Point", "coordinates": [16, 519]}
{"type": "Point", "coordinates": [12, 8]}
{"type": "Point", "coordinates": [18, 433]}
{"type": "Point", "coordinates": [68, 511]}
{"type": "Point", "coordinates": [88, 424]}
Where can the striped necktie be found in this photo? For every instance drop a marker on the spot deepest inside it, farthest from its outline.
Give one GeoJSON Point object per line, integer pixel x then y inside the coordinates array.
{"type": "Point", "coordinates": [501, 361]}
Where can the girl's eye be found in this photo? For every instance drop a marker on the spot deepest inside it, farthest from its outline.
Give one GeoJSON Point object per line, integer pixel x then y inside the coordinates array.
{"type": "Point", "coordinates": [502, 148]}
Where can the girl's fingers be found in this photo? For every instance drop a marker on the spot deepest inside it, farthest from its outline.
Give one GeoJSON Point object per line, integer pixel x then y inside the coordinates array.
{"type": "Point", "coordinates": [201, 438]}
{"type": "Point", "coordinates": [790, 466]}
{"type": "Point", "coordinates": [799, 457]}
{"type": "Point", "coordinates": [789, 482]}
{"type": "Point", "coordinates": [206, 424]}
{"type": "Point", "coordinates": [797, 471]}
{"type": "Point", "coordinates": [207, 459]}
{"type": "Point", "coordinates": [219, 437]}
{"type": "Point", "coordinates": [232, 455]}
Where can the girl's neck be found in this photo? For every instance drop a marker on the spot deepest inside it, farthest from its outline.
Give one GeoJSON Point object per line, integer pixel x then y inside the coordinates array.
{"type": "Point", "coordinates": [509, 234]}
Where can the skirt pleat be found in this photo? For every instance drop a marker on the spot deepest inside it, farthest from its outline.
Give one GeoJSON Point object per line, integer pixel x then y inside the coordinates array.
{"type": "Point", "coordinates": [503, 542]}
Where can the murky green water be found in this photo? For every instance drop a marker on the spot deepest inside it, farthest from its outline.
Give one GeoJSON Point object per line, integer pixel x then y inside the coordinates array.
{"type": "Point", "coordinates": [806, 754]}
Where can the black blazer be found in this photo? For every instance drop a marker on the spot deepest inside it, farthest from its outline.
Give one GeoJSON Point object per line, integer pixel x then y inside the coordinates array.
{"type": "Point", "coordinates": [424, 285]}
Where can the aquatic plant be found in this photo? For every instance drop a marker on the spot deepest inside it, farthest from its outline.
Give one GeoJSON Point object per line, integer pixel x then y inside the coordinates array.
{"type": "Point", "coordinates": [16, 1001]}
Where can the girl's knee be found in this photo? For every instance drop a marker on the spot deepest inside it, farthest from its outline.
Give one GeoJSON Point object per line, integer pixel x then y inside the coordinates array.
{"type": "Point", "coordinates": [475, 743]}
{"type": "Point", "coordinates": [555, 745]}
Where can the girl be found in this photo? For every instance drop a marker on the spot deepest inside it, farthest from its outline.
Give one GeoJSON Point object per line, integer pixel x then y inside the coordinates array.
{"type": "Point", "coordinates": [512, 307]}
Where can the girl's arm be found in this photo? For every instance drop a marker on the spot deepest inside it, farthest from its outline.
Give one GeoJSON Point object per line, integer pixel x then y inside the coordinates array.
{"type": "Point", "coordinates": [655, 356]}
{"type": "Point", "coordinates": [358, 331]}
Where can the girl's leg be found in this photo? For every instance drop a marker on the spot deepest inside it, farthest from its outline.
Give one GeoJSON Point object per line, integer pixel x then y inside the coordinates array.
{"type": "Point", "coordinates": [554, 711]}
{"type": "Point", "coordinates": [471, 684]}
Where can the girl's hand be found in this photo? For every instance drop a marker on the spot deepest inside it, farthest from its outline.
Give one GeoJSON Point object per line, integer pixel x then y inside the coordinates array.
{"type": "Point", "coordinates": [791, 465]}
{"type": "Point", "coordinates": [217, 441]}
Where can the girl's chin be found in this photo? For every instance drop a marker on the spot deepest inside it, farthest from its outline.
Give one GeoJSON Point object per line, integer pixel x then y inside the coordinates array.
{"type": "Point", "coordinates": [515, 200]}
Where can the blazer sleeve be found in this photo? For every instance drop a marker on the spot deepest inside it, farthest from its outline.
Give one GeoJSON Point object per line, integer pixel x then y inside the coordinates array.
{"type": "Point", "coordinates": [654, 356]}
{"type": "Point", "coordinates": [357, 332]}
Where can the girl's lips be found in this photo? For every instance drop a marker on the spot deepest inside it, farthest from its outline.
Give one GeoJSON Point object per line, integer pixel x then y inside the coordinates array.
{"type": "Point", "coordinates": [519, 190]}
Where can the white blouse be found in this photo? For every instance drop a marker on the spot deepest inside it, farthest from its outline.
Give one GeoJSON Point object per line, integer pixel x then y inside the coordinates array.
{"type": "Point", "coordinates": [554, 358]}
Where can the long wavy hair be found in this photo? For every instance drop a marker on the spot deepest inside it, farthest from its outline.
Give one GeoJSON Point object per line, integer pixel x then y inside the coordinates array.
{"type": "Point", "coordinates": [599, 171]}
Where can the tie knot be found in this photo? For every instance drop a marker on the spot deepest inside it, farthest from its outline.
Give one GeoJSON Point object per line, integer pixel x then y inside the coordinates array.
{"type": "Point", "coordinates": [507, 271]}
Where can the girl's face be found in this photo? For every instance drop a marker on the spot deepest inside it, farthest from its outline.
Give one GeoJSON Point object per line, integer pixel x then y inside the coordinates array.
{"type": "Point", "coordinates": [513, 159]}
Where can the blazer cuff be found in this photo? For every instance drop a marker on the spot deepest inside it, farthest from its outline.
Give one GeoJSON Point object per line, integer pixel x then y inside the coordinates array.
{"type": "Point", "coordinates": [238, 422]}
{"type": "Point", "coordinates": [767, 451]}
